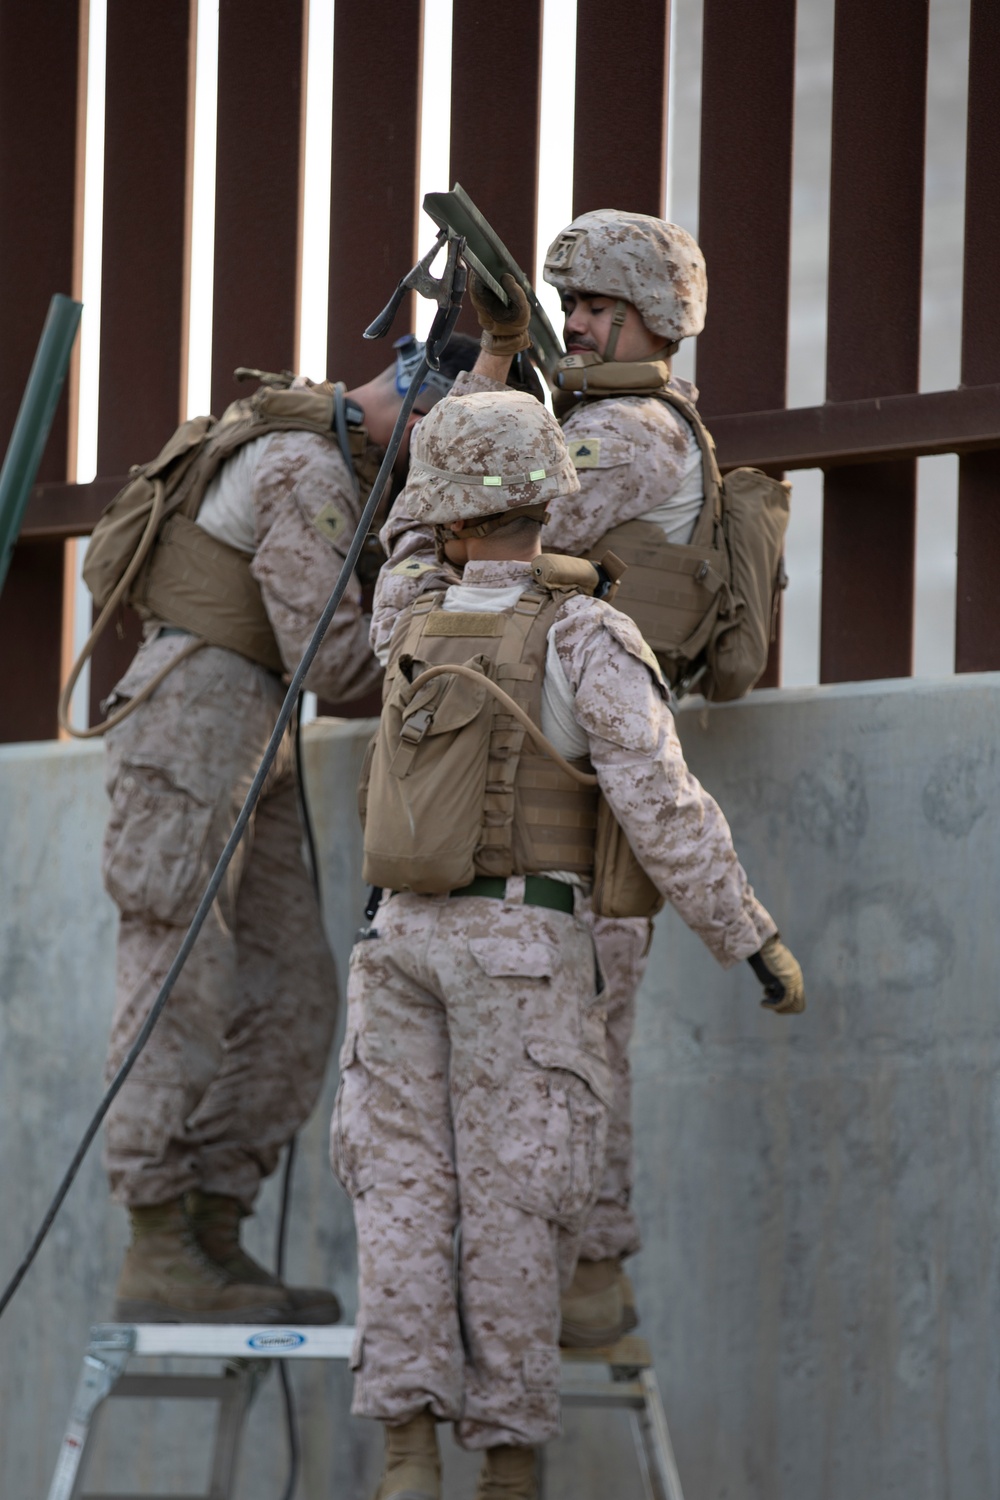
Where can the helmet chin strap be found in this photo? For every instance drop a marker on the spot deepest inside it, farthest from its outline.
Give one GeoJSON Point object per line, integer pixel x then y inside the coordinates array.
{"type": "Point", "coordinates": [617, 322]}
{"type": "Point", "coordinates": [486, 525]}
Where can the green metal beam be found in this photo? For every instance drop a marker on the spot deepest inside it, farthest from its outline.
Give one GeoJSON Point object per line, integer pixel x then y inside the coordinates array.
{"type": "Point", "coordinates": [34, 420]}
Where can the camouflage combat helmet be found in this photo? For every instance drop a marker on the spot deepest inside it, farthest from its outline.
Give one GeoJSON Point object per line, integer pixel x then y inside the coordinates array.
{"type": "Point", "coordinates": [485, 453]}
{"type": "Point", "coordinates": [633, 257]}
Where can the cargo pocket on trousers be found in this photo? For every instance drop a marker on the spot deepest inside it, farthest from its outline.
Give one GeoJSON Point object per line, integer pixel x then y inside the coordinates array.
{"type": "Point", "coordinates": [153, 845]}
{"type": "Point", "coordinates": [505, 959]}
{"type": "Point", "coordinates": [540, 1369]}
{"type": "Point", "coordinates": [551, 1124]}
{"type": "Point", "coordinates": [351, 1153]}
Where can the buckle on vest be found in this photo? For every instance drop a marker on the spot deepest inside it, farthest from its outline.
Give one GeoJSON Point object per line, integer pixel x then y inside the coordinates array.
{"type": "Point", "coordinates": [416, 726]}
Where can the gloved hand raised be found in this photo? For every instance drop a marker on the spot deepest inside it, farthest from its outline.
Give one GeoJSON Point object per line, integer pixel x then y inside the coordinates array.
{"type": "Point", "coordinates": [778, 970]}
{"type": "Point", "coordinates": [505, 329]}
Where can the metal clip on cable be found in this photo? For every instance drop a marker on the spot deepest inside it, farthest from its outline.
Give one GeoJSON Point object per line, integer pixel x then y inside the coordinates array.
{"type": "Point", "coordinates": [447, 290]}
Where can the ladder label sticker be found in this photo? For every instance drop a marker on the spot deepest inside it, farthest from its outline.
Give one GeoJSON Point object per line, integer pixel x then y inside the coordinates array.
{"type": "Point", "coordinates": [277, 1339]}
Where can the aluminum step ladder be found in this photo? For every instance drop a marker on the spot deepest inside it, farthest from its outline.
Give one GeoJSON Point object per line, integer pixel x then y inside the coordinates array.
{"type": "Point", "coordinates": [620, 1378]}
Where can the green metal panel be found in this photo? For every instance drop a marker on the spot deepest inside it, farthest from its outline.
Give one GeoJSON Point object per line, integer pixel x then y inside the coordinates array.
{"type": "Point", "coordinates": [34, 420]}
{"type": "Point", "coordinates": [489, 257]}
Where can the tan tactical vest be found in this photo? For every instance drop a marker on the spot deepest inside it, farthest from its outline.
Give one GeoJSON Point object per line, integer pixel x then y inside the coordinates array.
{"type": "Point", "coordinates": [189, 578]}
{"type": "Point", "coordinates": [456, 788]}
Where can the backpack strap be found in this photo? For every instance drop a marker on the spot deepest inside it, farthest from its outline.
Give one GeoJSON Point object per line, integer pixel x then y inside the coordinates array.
{"type": "Point", "coordinates": [322, 412]}
{"type": "Point", "coordinates": [710, 515]}
{"type": "Point", "coordinates": [340, 422]}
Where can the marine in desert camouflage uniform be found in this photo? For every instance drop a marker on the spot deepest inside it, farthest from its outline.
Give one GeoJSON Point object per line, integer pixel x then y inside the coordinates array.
{"type": "Point", "coordinates": [632, 287]}
{"type": "Point", "coordinates": [469, 1125]}
{"type": "Point", "coordinates": [235, 1063]}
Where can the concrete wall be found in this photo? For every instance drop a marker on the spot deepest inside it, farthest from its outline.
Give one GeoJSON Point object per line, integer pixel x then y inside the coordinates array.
{"type": "Point", "coordinates": [819, 1196]}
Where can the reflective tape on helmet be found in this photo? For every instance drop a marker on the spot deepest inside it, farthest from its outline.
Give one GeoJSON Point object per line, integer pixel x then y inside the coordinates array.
{"type": "Point", "coordinates": [500, 481]}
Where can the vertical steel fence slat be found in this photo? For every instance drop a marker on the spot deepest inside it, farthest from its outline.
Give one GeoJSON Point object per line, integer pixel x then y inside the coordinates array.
{"type": "Point", "coordinates": [373, 218]}
{"type": "Point", "coordinates": [745, 202]}
{"type": "Point", "coordinates": [258, 167]}
{"type": "Point", "coordinates": [494, 152]}
{"type": "Point", "coordinates": [620, 126]}
{"type": "Point", "coordinates": [142, 294]}
{"type": "Point", "coordinates": [376, 128]}
{"type": "Point", "coordinates": [745, 209]}
{"type": "Point", "coordinates": [873, 328]}
{"type": "Point", "coordinates": [977, 618]}
{"type": "Point", "coordinates": [39, 58]}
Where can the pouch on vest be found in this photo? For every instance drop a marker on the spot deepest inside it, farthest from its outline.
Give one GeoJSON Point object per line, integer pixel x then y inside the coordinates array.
{"type": "Point", "coordinates": [431, 755]}
{"type": "Point", "coordinates": [621, 886]}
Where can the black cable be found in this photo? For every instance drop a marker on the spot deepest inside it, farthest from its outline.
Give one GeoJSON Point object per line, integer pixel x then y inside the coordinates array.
{"type": "Point", "coordinates": [218, 875]}
{"type": "Point", "coordinates": [286, 1198]}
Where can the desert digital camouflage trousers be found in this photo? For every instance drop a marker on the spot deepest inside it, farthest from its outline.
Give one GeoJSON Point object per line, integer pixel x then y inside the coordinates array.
{"type": "Point", "coordinates": [235, 1063]}
{"type": "Point", "coordinates": [622, 946]}
{"type": "Point", "coordinates": [469, 1130]}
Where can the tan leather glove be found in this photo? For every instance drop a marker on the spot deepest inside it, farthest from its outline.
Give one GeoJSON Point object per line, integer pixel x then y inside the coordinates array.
{"type": "Point", "coordinates": [778, 970]}
{"type": "Point", "coordinates": [505, 329]}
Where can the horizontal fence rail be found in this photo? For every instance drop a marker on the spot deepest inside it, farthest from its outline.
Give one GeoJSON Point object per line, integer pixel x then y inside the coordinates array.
{"type": "Point", "coordinates": [866, 436]}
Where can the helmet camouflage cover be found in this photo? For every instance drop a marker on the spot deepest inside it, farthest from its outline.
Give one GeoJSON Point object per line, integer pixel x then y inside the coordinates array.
{"type": "Point", "coordinates": [485, 452]}
{"type": "Point", "coordinates": [652, 264]}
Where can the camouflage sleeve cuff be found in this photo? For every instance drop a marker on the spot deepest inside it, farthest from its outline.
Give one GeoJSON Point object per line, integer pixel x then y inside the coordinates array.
{"type": "Point", "coordinates": [748, 935]}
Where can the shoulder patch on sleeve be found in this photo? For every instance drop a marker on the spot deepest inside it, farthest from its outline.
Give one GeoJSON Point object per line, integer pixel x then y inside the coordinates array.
{"type": "Point", "coordinates": [628, 635]}
{"type": "Point", "coordinates": [603, 452]}
{"type": "Point", "coordinates": [329, 522]}
{"type": "Point", "coordinates": [585, 453]}
{"type": "Point", "coordinates": [413, 567]}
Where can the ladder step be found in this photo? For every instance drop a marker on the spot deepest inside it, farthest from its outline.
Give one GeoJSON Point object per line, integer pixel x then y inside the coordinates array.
{"type": "Point", "coordinates": [234, 1340]}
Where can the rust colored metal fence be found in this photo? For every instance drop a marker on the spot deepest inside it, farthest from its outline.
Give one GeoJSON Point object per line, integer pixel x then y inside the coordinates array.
{"type": "Point", "coordinates": [867, 435]}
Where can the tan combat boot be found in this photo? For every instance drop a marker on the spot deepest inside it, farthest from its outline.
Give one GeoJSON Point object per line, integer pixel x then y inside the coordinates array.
{"type": "Point", "coordinates": [508, 1474]}
{"type": "Point", "coordinates": [215, 1220]}
{"type": "Point", "coordinates": [412, 1462]}
{"type": "Point", "coordinates": [167, 1278]}
{"type": "Point", "coordinates": [593, 1306]}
